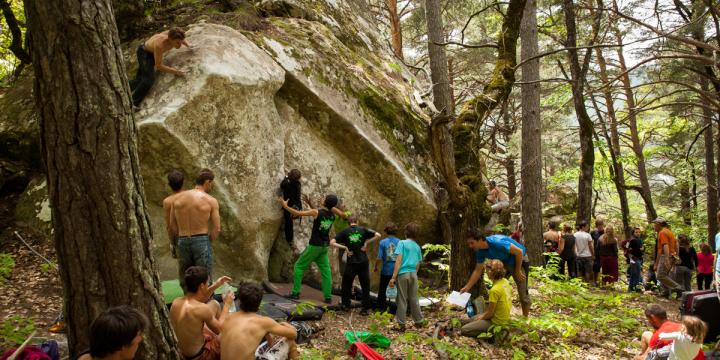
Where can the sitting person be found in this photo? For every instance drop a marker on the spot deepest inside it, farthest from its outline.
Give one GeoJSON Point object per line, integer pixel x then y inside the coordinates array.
{"type": "Point", "coordinates": [652, 341]}
{"type": "Point", "coordinates": [196, 319]}
{"type": "Point", "coordinates": [499, 303]}
{"type": "Point", "coordinates": [243, 331]}
{"type": "Point", "coordinates": [116, 334]}
{"type": "Point", "coordinates": [687, 342]}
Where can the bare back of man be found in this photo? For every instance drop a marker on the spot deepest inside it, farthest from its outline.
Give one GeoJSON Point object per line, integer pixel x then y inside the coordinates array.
{"type": "Point", "coordinates": [552, 235]}
{"type": "Point", "coordinates": [189, 318]}
{"type": "Point", "coordinates": [158, 45]}
{"type": "Point", "coordinates": [243, 332]}
{"type": "Point", "coordinates": [192, 209]}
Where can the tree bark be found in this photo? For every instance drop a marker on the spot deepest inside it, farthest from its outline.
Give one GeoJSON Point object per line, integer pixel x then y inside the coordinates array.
{"type": "Point", "coordinates": [395, 29]}
{"type": "Point", "coordinates": [531, 159]}
{"type": "Point", "coordinates": [452, 198]}
{"type": "Point", "coordinates": [16, 45]}
{"type": "Point", "coordinates": [618, 172]}
{"type": "Point", "coordinates": [587, 151]}
{"type": "Point", "coordinates": [710, 168]}
{"type": "Point", "coordinates": [637, 145]}
{"type": "Point", "coordinates": [102, 231]}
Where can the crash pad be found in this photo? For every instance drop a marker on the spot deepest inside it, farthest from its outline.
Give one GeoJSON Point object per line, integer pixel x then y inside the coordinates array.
{"type": "Point", "coordinates": [281, 308]}
{"type": "Point", "coordinates": [172, 290]}
{"type": "Point", "coordinates": [307, 294]}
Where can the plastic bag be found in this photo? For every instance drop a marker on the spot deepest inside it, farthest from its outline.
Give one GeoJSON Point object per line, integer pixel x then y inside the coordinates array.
{"type": "Point", "coordinates": [375, 340]}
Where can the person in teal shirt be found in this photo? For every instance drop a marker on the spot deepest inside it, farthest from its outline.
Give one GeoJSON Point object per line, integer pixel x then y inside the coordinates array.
{"type": "Point", "coordinates": [407, 263]}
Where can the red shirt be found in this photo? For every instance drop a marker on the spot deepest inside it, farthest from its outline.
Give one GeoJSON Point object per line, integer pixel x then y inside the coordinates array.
{"type": "Point", "coordinates": [705, 263]}
{"type": "Point", "coordinates": [668, 327]}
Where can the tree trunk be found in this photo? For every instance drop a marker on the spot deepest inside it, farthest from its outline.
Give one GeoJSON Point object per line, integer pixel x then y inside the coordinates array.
{"type": "Point", "coordinates": [587, 151]}
{"type": "Point", "coordinates": [685, 203]}
{"type": "Point", "coordinates": [452, 202]}
{"type": "Point", "coordinates": [16, 44]}
{"type": "Point", "coordinates": [618, 172]}
{"type": "Point", "coordinates": [102, 231]}
{"type": "Point", "coordinates": [637, 145]}
{"type": "Point", "coordinates": [710, 169]}
{"type": "Point", "coordinates": [531, 159]}
{"type": "Point", "coordinates": [395, 29]}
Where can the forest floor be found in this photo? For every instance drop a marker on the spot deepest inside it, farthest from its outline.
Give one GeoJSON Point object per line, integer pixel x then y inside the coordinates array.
{"type": "Point", "coordinates": [568, 320]}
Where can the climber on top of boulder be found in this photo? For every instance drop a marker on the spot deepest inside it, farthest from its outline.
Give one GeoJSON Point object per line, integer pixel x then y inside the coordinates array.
{"type": "Point", "coordinates": [317, 249]}
{"type": "Point", "coordinates": [150, 58]}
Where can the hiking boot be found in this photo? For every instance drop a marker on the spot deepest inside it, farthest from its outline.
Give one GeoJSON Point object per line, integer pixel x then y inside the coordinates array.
{"type": "Point", "coordinates": [293, 296]}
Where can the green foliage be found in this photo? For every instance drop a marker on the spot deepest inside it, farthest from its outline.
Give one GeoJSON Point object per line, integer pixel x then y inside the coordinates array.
{"type": "Point", "coordinates": [379, 320]}
{"type": "Point", "coordinates": [8, 61]}
{"type": "Point", "coordinates": [47, 267]}
{"type": "Point", "coordinates": [16, 329]}
{"type": "Point", "coordinates": [305, 305]}
{"type": "Point", "coordinates": [7, 264]}
{"type": "Point", "coordinates": [314, 354]}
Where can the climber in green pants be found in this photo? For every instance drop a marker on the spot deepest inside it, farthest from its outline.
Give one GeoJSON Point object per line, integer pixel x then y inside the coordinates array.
{"type": "Point", "coordinates": [317, 250]}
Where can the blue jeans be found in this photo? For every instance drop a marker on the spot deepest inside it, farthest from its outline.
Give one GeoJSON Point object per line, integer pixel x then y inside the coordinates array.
{"type": "Point", "coordinates": [634, 271]}
{"type": "Point", "coordinates": [194, 251]}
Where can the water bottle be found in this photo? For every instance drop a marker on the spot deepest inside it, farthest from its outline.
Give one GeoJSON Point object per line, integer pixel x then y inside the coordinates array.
{"type": "Point", "coordinates": [391, 293]}
{"type": "Point", "coordinates": [469, 309]}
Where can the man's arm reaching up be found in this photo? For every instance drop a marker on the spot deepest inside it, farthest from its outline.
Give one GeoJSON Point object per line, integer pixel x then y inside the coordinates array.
{"type": "Point", "coordinates": [310, 212]}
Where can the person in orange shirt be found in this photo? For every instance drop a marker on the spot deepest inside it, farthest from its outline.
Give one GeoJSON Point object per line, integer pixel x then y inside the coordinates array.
{"type": "Point", "coordinates": [667, 248]}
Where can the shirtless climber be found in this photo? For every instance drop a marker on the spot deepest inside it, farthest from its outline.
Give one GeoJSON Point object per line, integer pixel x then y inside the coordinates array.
{"type": "Point", "coordinates": [497, 198]}
{"type": "Point", "coordinates": [243, 331]}
{"type": "Point", "coordinates": [175, 181]}
{"type": "Point", "coordinates": [189, 217]}
{"type": "Point", "coordinates": [150, 58]}
{"type": "Point", "coordinates": [197, 322]}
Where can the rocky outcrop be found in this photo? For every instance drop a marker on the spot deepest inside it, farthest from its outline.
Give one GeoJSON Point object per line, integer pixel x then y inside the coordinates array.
{"type": "Point", "coordinates": [318, 92]}
{"type": "Point", "coordinates": [252, 113]}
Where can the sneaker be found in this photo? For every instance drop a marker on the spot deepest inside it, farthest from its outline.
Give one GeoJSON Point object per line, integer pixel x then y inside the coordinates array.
{"type": "Point", "coordinates": [293, 296]}
{"type": "Point", "coordinates": [328, 301]}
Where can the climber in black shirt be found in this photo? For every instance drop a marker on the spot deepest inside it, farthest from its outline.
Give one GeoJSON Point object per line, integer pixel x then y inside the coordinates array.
{"type": "Point", "coordinates": [354, 240]}
{"type": "Point", "coordinates": [291, 190]}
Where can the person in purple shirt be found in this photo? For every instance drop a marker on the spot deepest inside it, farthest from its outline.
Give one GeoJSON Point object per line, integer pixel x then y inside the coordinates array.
{"type": "Point", "coordinates": [505, 249]}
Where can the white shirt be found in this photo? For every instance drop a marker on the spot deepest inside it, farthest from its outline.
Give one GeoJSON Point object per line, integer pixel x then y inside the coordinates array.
{"type": "Point", "coordinates": [682, 347]}
{"type": "Point", "coordinates": [583, 242]}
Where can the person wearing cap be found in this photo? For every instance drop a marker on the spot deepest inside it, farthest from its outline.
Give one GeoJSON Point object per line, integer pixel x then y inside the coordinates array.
{"type": "Point", "coordinates": [666, 249]}
{"type": "Point", "coordinates": [317, 250]}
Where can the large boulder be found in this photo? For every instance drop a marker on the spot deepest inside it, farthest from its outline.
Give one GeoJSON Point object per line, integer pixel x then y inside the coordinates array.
{"type": "Point", "coordinates": [251, 108]}
{"type": "Point", "coordinates": [320, 92]}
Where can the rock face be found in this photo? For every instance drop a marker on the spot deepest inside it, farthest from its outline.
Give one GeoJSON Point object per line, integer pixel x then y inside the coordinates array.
{"type": "Point", "coordinates": [320, 93]}
{"type": "Point", "coordinates": [253, 107]}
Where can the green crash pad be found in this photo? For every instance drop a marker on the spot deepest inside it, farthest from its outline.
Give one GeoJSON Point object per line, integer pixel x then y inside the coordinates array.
{"type": "Point", "coordinates": [172, 290]}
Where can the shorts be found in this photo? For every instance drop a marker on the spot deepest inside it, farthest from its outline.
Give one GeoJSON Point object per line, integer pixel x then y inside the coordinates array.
{"type": "Point", "coordinates": [211, 349]}
{"type": "Point", "coordinates": [584, 265]}
{"type": "Point", "coordinates": [279, 350]}
{"type": "Point", "coordinates": [500, 205]}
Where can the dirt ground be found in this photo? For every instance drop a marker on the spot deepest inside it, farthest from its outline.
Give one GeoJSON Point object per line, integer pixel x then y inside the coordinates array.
{"type": "Point", "coordinates": [34, 291]}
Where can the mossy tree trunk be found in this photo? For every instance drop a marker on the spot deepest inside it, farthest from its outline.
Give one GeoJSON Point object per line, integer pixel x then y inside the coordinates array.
{"type": "Point", "coordinates": [461, 194]}
{"type": "Point", "coordinates": [613, 138]}
{"type": "Point", "coordinates": [102, 231]}
{"type": "Point", "coordinates": [531, 157]}
{"type": "Point", "coordinates": [578, 72]}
